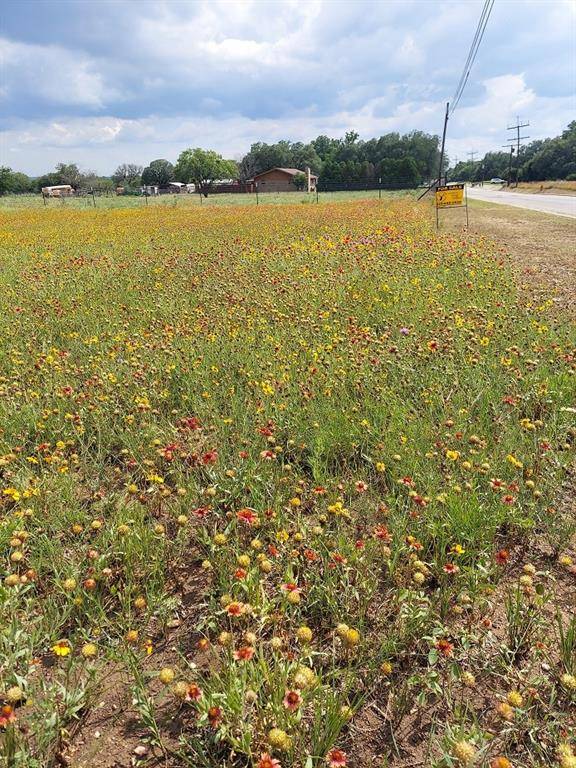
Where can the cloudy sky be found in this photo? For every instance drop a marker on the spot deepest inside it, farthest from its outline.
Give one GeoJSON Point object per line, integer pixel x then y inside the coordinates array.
{"type": "Point", "coordinates": [101, 82]}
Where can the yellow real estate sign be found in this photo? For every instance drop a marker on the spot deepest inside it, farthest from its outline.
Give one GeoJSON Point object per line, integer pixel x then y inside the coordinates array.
{"type": "Point", "coordinates": [449, 196]}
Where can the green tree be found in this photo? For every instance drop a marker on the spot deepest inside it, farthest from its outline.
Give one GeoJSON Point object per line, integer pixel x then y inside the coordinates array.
{"type": "Point", "coordinates": [5, 177]}
{"type": "Point", "coordinates": [48, 180]}
{"type": "Point", "coordinates": [20, 182]}
{"type": "Point", "coordinates": [14, 182]}
{"type": "Point", "coordinates": [158, 173]}
{"type": "Point", "coordinates": [553, 159]}
{"type": "Point", "coordinates": [128, 174]}
{"type": "Point", "coordinates": [283, 154]}
{"type": "Point", "coordinates": [299, 181]}
{"type": "Point", "coordinates": [203, 167]}
{"type": "Point", "coordinates": [69, 173]}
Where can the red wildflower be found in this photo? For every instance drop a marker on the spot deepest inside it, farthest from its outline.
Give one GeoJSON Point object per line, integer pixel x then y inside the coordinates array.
{"type": "Point", "coordinates": [215, 716]}
{"type": "Point", "coordinates": [247, 516]}
{"type": "Point", "coordinates": [191, 422]}
{"type": "Point", "coordinates": [7, 716]}
{"type": "Point", "coordinates": [451, 568]}
{"type": "Point", "coordinates": [244, 654]}
{"type": "Point", "coordinates": [445, 647]}
{"type": "Point", "coordinates": [194, 692]}
{"type": "Point", "coordinates": [210, 457]}
{"type": "Point", "coordinates": [502, 557]}
{"type": "Point", "coordinates": [382, 533]}
{"type": "Point", "coordinates": [234, 608]}
{"type": "Point", "coordinates": [168, 451]}
{"type": "Point", "coordinates": [267, 761]}
{"type": "Point", "coordinates": [292, 700]}
{"type": "Point", "coordinates": [336, 758]}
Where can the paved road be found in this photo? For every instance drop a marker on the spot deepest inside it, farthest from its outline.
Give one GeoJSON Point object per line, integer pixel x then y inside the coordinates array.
{"type": "Point", "coordinates": [560, 205]}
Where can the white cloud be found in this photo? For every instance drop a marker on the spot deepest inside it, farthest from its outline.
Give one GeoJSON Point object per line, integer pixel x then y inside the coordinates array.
{"type": "Point", "coordinates": [483, 126]}
{"type": "Point", "coordinates": [55, 74]}
{"type": "Point", "coordinates": [146, 80]}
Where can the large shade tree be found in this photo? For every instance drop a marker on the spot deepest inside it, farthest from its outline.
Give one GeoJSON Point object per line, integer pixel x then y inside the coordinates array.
{"type": "Point", "coordinates": [203, 167]}
{"type": "Point", "coordinates": [158, 173]}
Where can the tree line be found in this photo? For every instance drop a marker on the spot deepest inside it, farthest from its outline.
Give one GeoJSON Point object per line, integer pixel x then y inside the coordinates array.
{"type": "Point", "coordinates": [541, 160]}
{"type": "Point", "coordinates": [411, 158]}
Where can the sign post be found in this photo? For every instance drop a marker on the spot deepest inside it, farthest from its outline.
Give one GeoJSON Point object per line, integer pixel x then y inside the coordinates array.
{"type": "Point", "coordinates": [451, 196]}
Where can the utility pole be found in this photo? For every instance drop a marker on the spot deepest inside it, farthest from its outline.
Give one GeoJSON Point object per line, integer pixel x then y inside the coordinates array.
{"type": "Point", "coordinates": [443, 142]}
{"type": "Point", "coordinates": [472, 153]}
{"type": "Point", "coordinates": [509, 180]}
{"type": "Point", "coordinates": [518, 139]}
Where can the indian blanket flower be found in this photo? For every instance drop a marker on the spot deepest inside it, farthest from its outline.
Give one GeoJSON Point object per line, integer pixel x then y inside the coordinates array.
{"type": "Point", "coordinates": [245, 653]}
{"type": "Point", "coordinates": [267, 761]}
{"type": "Point", "coordinates": [235, 608]}
{"type": "Point", "coordinates": [7, 716]}
{"type": "Point", "coordinates": [194, 692]}
{"type": "Point", "coordinates": [445, 647]}
{"type": "Point", "coordinates": [336, 758]}
{"type": "Point", "coordinates": [214, 716]}
{"type": "Point", "coordinates": [502, 556]}
{"type": "Point", "coordinates": [247, 516]}
{"type": "Point", "coordinates": [292, 700]}
{"type": "Point", "coordinates": [62, 648]}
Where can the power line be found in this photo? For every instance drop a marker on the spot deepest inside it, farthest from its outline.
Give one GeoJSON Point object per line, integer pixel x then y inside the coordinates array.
{"type": "Point", "coordinates": [472, 153]}
{"type": "Point", "coordinates": [464, 71]}
{"type": "Point", "coordinates": [479, 34]}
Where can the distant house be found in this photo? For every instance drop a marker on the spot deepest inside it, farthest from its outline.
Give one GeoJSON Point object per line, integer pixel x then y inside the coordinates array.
{"type": "Point", "coordinates": [58, 190]}
{"type": "Point", "coordinates": [282, 180]}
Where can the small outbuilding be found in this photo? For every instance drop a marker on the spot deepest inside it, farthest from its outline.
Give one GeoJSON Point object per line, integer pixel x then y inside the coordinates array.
{"type": "Point", "coordinates": [176, 187]}
{"type": "Point", "coordinates": [58, 190]}
{"type": "Point", "coordinates": [283, 180]}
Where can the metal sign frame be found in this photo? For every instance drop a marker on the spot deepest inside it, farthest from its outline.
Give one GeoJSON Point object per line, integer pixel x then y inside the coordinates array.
{"type": "Point", "coordinates": [447, 188]}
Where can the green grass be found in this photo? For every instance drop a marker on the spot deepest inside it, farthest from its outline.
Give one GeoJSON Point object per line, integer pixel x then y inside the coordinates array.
{"type": "Point", "coordinates": [304, 434]}
{"type": "Point", "coordinates": [10, 202]}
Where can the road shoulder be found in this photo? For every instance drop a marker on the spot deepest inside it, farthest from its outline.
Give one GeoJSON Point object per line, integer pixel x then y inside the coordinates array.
{"type": "Point", "coordinates": [540, 247]}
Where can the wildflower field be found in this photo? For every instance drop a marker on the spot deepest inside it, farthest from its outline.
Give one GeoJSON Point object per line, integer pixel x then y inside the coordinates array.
{"type": "Point", "coordinates": [281, 487]}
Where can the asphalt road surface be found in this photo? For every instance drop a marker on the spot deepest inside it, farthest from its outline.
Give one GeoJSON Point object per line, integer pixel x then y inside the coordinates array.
{"type": "Point", "coordinates": [560, 205]}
